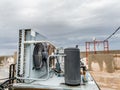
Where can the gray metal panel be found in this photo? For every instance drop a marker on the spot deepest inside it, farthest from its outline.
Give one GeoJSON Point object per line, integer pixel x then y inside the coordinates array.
{"type": "Point", "coordinates": [25, 55]}
{"type": "Point", "coordinates": [57, 84]}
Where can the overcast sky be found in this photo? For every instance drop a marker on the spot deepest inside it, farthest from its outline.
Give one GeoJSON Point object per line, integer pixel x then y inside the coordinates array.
{"type": "Point", "coordinates": [64, 22]}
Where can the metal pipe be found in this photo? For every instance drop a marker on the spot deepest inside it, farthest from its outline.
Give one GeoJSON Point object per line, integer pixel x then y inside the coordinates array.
{"type": "Point", "coordinates": [32, 42]}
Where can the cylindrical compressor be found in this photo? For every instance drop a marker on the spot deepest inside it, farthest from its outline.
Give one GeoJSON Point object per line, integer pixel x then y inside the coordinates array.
{"type": "Point", "coordinates": [72, 66]}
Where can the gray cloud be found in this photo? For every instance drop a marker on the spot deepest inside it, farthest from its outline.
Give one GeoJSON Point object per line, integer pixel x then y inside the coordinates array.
{"type": "Point", "coordinates": [64, 22]}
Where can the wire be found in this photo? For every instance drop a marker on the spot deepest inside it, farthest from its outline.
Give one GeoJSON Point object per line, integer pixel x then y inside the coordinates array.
{"type": "Point", "coordinates": [112, 34]}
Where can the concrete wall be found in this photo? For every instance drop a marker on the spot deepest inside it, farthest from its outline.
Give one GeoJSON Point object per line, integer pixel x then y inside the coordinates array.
{"type": "Point", "coordinates": [117, 61]}
{"type": "Point", "coordinates": [6, 59]}
{"type": "Point", "coordinates": [101, 62]}
{"type": "Point", "coordinates": [3, 58]}
{"type": "Point", "coordinates": [83, 54]}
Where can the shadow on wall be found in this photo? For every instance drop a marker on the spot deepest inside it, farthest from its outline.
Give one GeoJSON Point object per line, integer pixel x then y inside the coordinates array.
{"type": "Point", "coordinates": [101, 62]}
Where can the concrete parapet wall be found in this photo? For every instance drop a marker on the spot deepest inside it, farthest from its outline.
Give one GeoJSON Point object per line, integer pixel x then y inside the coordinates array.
{"type": "Point", "coordinates": [101, 62]}
{"type": "Point", "coordinates": [83, 54]}
{"type": "Point", "coordinates": [117, 61]}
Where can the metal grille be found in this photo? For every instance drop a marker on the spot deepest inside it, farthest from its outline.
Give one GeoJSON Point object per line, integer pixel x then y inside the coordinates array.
{"type": "Point", "coordinates": [21, 61]}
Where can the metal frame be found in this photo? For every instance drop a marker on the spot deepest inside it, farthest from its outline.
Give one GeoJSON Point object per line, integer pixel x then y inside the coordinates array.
{"type": "Point", "coordinates": [88, 44]}
{"type": "Point", "coordinates": [34, 42]}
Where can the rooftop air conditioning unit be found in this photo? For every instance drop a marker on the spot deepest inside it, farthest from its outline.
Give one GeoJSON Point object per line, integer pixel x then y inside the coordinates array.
{"type": "Point", "coordinates": [32, 55]}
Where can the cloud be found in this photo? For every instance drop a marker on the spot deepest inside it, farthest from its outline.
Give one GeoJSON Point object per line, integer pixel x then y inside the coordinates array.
{"type": "Point", "coordinates": [64, 22]}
